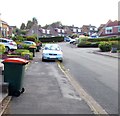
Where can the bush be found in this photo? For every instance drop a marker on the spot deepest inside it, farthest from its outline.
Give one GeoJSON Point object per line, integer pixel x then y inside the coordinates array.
{"type": "Point", "coordinates": [2, 48]}
{"type": "Point", "coordinates": [20, 38]}
{"type": "Point", "coordinates": [31, 38]}
{"type": "Point", "coordinates": [27, 55]}
{"type": "Point", "coordinates": [104, 39]}
{"type": "Point", "coordinates": [83, 42]}
{"type": "Point", "coordinates": [105, 46]}
{"type": "Point", "coordinates": [19, 51]}
{"type": "Point", "coordinates": [25, 46]}
{"type": "Point", "coordinates": [115, 44]}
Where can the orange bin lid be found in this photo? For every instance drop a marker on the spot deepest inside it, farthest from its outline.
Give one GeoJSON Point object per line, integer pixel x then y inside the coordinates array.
{"type": "Point", "coordinates": [16, 60]}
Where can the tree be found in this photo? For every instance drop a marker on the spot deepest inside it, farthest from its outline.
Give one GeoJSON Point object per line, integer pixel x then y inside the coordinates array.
{"type": "Point", "coordinates": [22, 27]}
{"type": "Point", "coordinates": [34, 20]}
{"type": "Point", "coordinates": [29, 24]}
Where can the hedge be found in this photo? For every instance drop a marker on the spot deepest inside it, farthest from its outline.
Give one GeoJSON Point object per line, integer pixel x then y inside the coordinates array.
{"type": "Point", "coordinates": [105, 46]}
{"type": "Point", "coordinates": [2, 48]}
{"type": "Point", "coordinates": [103, 39]}
{"type": "Point", "coordinates": [52, 39]}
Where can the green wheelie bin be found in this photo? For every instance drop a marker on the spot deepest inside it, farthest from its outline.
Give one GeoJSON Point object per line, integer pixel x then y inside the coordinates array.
{"type": "Point", "coordinates": [14, 69]}
{"type": "Point", "coordinates": [33, 50]}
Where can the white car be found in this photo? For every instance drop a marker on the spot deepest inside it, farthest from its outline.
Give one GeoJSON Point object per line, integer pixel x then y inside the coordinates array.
{"type": "Point", "coordinates": [72, 41]}
{"type": "Point", "coordinates": [52, 52]}
{"type": "Point", "coordinates": [8, 43]}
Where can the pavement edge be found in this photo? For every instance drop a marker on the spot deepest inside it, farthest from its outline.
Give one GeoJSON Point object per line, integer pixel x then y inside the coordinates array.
{"type": "Point", "coordinates": [95, 107]}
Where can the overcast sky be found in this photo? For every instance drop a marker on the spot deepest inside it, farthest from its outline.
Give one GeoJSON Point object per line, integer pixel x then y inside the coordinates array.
{"type": "Point", "coordinates": [69, 12]}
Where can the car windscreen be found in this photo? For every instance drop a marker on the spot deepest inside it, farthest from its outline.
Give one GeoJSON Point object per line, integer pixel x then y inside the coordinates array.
{"type": "Point", "coordinates": [51, 47]}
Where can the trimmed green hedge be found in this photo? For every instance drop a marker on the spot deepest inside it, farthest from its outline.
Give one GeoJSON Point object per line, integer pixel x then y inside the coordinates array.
{"type": "Point", "coordinates": [52, 39]}
{"type": "Point", "coordinates": [103, 39]}
{"type": "Point", "coordinates": [105, 46]}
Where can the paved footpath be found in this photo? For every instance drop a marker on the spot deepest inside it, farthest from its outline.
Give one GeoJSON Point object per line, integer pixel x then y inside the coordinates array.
{"type": "Point", "coordinates": [45, 94]}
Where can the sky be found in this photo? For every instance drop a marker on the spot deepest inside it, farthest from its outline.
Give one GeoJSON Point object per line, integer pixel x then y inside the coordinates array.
{"type": "Point", "coordinates": [68, 12]}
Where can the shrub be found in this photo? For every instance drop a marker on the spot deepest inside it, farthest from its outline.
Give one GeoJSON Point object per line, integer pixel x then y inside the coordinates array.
{"type": "Point", "coordinates": [83, 42]}
{"type": "Point", "coordinates": [25, 46]}
{"type": "Point", "coordinates": [103, 39]}
{"type": "Point", "coordinates": [20, 38]}
{"type": "Point", "coordinates": [27, 55]}
{"type": "Point", "coordinates": [105, 46]}
{"type": "Point", "coordinates": [115, 44]}
{"type": "Point", "coordinates": [19, 51]}
{"type": "Point", "coordinates": [2, 48]}
{"type": "Point", "coordinates": [31, 38]}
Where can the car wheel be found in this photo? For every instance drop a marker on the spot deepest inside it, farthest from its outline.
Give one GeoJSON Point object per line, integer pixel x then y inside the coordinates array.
{"type": "Point", "coordinates": [6, 49]}
{"type": "Point", "coordinates": [61, 60]}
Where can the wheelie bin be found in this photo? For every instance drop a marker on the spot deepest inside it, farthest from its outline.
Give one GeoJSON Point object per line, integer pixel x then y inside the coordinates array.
{"type": "Point", "coordinates": [33, 50]}
{"type": "Point", "coordinates": [14, 69]}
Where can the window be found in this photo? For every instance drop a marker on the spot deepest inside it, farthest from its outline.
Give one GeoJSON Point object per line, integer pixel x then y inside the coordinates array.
{"type": "Point", "coordinates": [63, 31]}
{"type": "Point", "coordinates": [118, 28]}
{"type": "Point", "coordinates": [74, 30]}
{"type": "Point", "coordinates": [33, 31]}
{"type": "Point", "coordinates": [79, 30]}
{"type": "Point", "coordinates": [48, 31]}
{"type": "Point", "coordinates": [91, 29]}
{"type": "Point", "coordinates": [108, 30]}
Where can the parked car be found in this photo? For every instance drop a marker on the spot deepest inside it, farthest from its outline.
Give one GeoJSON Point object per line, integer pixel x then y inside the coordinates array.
{"type": "Point", "coordinates": [52, 52]}
{"type": "Point", "coordinates": [29, 43]}
{"type": "Point", "coordinates": [72, 41]}
{"type": "Point", "coordinates": [9, 44]}
{"type": "Point", "coordinates": [67, 39]}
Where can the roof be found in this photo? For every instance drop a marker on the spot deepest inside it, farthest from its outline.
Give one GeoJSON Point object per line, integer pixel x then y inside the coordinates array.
{"type": "Point", "coordinates": [113, 23]}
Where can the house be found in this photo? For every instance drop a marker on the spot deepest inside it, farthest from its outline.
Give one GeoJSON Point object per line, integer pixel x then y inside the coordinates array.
{"type": "Point", "coordinates": [34, 30]}
{"type": "Point", "coordinates": [89, 29]}
{"type": "Point", "coordinates": [11, 29]}
{"type": "Point", "coordinates": [53, 30]}
{"type": "Point", "coordinates": [4, 29]}
{"type": "Point", "coordinates": [111, 28]}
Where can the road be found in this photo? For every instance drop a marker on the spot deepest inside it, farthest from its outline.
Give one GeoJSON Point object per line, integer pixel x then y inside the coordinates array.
{"type": "Point", "coordinates": [98, 75]}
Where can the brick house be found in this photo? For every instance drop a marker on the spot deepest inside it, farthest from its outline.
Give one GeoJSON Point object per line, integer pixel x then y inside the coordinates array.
{"type": "Point", "coordinates": [53, 30]}
{"type": "Point", "coordinates": [111, 28]}
{"type": "Point", "coordinates": [4, 29]}
{"type": "Point", "coordinates": [89, 29]}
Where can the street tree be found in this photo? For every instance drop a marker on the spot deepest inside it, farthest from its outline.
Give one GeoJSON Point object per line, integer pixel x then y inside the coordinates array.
{"type": "Point", "coordinates": [22, 27]}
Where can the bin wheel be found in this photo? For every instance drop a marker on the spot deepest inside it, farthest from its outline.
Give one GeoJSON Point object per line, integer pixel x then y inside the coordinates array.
{"type": "Point", "coordinates": [16, 93]}
{"type": "Point", "coordinates": [23, 89]}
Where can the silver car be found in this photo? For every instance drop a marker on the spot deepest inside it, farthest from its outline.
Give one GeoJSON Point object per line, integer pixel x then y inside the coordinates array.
{"type": "Point", "coordinates": [52, 52]}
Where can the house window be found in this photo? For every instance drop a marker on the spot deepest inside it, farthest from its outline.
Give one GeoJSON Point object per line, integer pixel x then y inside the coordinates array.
{"type": "Point", "coordinates": [63, 31]}
{"type": "Point", "coordinates": [118, 28]}
{"type": "Point", "coordinates": [43, 30]}
{"type": "Point", "coordinates": [108, 30]}
{"type": "Point", "coordinates": [96, 29]}
{"type": "Point", "coordinates": [33, 31]}
{"type": "Point", "coordinates": [79, 30]}
{"type": "Point", "coordinates": [91, 28]}
{"type": "Point", "coordinates": [48, 31]}
{"type": "Point", "coordinates": [74, 30]}
{"type": "Point", "coordinates": [59, 30]}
